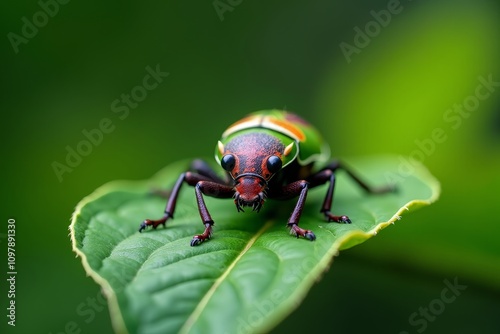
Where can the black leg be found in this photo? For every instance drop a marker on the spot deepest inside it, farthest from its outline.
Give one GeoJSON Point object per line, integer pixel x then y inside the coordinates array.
{"type": "Point", "coordinates": [294, 189]}
{"type": "Point", "coordinates": [321, 178]}
{"type": "Point", "coordinates": [293, 222]}
{"type": "Point", "coordinates": [169, 209]}
{"type": "Point", "coordinates": [333, 166]}
{"type": "Point", "coordinates": [203, 168]}
{"type": "Point", "coordinates": [213, 189]}
{"type": "Point", "coordinates": [206, 182]}
{"type": "Point", "coordinates": [198, 166]}
{"type": "Point", "coordinates": [327, 174]}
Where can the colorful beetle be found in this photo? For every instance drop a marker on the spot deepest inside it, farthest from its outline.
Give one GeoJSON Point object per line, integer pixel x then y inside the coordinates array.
{"type": "Point", "coordinates": [268, 154]}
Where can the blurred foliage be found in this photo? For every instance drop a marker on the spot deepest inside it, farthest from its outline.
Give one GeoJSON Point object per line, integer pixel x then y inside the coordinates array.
{"type": "Point", "coordinates": [395, 91]}
{"type": "Point", "coordinates": [417, 86]}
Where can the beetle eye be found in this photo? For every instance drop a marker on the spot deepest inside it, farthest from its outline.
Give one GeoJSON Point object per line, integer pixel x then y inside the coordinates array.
{"type": "Point", "coordinates": [227, 162]}
{"type": "Point", "coordinates": [274, 163]}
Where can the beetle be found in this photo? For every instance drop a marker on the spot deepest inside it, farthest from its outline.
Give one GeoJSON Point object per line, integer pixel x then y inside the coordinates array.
{"type": "Point", "coordinates": [269, 154]}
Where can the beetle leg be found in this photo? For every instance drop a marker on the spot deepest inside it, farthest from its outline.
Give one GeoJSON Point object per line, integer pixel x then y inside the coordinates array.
{"type": "Point", "coordinates": [291, 190]}
{"type": "Point", "coordinates": [169, 209]}
{"type": "Point", "coordinates": [203, 168]}
{"type": "Point", "coordinates": [213, 189]}
{"type": "Point", "coordinates": [203, 172]}
{"type": "Point", "coordinates": [333, 166]}
{"type": "Point", "coordinates": [190, 178]}
{"type": "Point", "coordinates": [327, 174]}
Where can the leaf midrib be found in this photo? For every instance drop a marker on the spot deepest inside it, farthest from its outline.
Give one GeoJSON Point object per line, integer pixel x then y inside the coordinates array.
{"type": "Point", "coordinates": [208, 295]}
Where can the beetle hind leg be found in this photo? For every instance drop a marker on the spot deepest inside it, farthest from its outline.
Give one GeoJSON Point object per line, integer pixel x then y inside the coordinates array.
{"type": "Point", "coordinates": [169, 209]}
{"type": "Point", "coordinates": [328, 175]}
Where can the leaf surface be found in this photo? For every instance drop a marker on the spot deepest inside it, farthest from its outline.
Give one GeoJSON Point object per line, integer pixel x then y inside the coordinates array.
{"type": "Point", "coordinates": [251, 274]}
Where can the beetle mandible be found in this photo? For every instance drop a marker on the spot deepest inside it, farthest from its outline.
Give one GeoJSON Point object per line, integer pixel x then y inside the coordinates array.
{"type": "Point", "coordinates": [268, 154]}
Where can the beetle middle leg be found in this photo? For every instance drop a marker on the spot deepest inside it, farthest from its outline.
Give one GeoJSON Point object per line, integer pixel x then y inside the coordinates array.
{"type": "Point", "coordinates": [327, 174]}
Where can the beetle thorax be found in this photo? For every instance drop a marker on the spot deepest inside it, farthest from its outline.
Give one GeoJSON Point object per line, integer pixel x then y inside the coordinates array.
{"type": "Point", "coordinates": [251, 152]}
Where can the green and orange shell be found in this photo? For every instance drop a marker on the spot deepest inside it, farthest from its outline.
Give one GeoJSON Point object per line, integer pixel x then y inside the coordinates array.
{"type": "Point", "coordinates": [301, 140]}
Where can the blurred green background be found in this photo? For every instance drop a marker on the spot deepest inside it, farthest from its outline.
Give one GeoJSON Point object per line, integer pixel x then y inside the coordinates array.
{"type": "Point", "coordinates": [387, 89]}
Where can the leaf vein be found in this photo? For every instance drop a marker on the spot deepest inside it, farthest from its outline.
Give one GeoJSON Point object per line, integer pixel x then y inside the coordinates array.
{"type": "Point", "coordinates": [206, 298]}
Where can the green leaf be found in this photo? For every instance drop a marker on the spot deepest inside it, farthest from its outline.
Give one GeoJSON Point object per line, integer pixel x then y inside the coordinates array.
{"type": "Point", "coordinates": [251, 274]}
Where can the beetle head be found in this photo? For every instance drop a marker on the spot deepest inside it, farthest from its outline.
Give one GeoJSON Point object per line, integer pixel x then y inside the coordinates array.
{"type": "Point", "coordinates": [252, 160]}
{"type": "Point", "coordinates": [251, 185]}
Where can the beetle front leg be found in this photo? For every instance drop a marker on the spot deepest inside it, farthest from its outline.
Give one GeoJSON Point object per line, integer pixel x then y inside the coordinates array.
{"type": "Point", "coordinates": [293, 189]}
{"type": "Point", "coordinates": [213, 189]}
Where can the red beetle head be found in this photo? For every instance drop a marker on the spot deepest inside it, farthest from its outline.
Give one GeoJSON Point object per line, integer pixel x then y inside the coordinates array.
{"type": "Point", "coordinates": [252, 159]}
